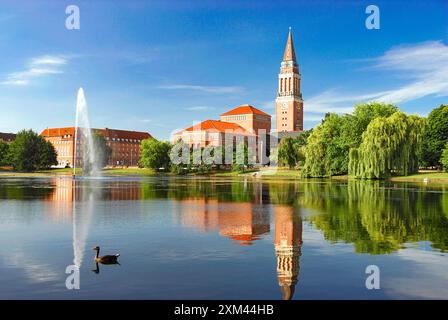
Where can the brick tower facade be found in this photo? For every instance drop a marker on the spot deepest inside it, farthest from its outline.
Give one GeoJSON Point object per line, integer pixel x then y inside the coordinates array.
{"type": "Point", "coordinates": [289, 103]}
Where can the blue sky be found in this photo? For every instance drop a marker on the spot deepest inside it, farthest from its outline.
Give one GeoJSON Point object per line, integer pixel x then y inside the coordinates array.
{"type": "Point", "coordinates": [158, 66]}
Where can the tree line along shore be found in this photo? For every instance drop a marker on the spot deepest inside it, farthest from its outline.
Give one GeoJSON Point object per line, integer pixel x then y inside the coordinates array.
{"type": "Point", "coordinates": [375, 141]}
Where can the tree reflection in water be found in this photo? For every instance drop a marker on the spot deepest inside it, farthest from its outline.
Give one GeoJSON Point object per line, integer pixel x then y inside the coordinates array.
{"type": "Point", "coordinates": [376, 217]}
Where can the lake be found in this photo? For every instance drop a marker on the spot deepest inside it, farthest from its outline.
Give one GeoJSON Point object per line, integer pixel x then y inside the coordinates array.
{"type": "Point", "coordinates": [222, 238]}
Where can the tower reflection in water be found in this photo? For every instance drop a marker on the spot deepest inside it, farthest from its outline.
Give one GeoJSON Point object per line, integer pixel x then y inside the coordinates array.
{"type": "Point", "coordinates": [288, 245]}
{"type": "Point", "coordinates": [243, 222]}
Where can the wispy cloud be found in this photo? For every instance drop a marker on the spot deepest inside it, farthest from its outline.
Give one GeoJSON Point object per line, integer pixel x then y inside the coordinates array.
{"type": "Point", "coordinates": [268, 104]}
{"type": "Point", "coordinates": [423, 66]}
{"type": "Point", "coordinates": [37, 67]}
{"type": "Point", "coordinates": [334, 101]}
{"type": "Point", "coordinates": [207, 89]}
{"type": "Point", "coordinates": [199, 108]}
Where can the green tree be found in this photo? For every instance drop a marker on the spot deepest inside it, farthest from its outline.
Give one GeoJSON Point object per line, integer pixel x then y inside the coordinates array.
{"type": "Point", "coordinates": [155, 154]}
{"type": "Point", "coordinates": [30, 152]}
{"type": "Point", "coordinates": [243, 157]}
{"type": "Point", "coordinates": [389, 147]}
{"type": "Point", "coordinates": [328, 147]}
{"type": "Point", "coordinates": [362, 115]}
{"type": "Point", "coordinates": [3, 153]}
{"type": "Point", "coordinates": [287, 154]}
{"type": "Point", "coordinates": [180, 158]}
{"type": "Point", "coordinates": [324, 153]}
{"type": "Point", "coordinates": [47, 155]}
{"type": "Point", "coordinates": [291, 150]}
{"type": "Point", "coordinates": [435, 137]}
{"type": "Point", "coordinates": [444, 158]}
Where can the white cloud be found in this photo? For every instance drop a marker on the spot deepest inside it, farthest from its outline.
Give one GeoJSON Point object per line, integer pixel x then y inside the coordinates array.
{"type": "Point", "coordinates": [424, 66]}
{"type": "Point", "coordinates": [207, 89]}
{"type": "Point", "coordinates": [38, 66]}
{"type": "Point", "coordinates": [429, 280]}
{"type": "Point", "coordinates": [199, 108]}
{"type": "Point", "coordinates": [48, 60]}
{"type": "Point", "coordinates": [268, 104]}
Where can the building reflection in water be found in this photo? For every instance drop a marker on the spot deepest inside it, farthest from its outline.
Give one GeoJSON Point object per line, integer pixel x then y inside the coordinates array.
{"type": "Point", "coordinates": [64, 192]}
{"type": "Point", "coordinates": [288, 245]}
{"type": "Point", "coordinates": [243, 222]}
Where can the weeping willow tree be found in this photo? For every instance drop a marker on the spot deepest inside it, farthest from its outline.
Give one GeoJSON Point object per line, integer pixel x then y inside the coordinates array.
{"type": "Point", "coordinates": [328, 146]}
{"type": "Point", "coordinates": [389, 147]}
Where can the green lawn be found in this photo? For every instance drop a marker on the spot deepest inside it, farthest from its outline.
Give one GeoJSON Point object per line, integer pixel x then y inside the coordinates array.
{"type": "Point", "coordinates": [432, 176]}
{"type": "Point", "coordinates": [69, 171]}
{"type": "Point", "coordinates": [264, 173]}
{"type": "Point", "coordinates": [130, 171]}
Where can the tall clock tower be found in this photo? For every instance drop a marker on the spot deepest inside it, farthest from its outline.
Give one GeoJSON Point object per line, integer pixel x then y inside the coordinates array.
{"type": "Point", "coordinates": [289, 103]}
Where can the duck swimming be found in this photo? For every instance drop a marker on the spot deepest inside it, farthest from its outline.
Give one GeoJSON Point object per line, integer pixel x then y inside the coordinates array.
{"type": "Point", "coordinates": [109, 259]}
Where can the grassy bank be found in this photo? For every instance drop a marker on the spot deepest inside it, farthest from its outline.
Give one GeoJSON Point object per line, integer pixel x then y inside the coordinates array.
{"type": "Point", "coordinates": [263, 173]}
{"type": "Point", "coordinates": [430, 176]}
{"type": "Point", "coordinates": [5, 172]}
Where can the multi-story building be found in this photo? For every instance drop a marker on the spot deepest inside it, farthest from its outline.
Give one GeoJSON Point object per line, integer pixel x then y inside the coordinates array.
{"type": "Point", "coordinates": [125, 145]}
{"type": "Point", "coordinates": [250, 118]}
{"type": "Point", "coordinates": [244, 121]}
{"type": "Point", "coordinates": [7, 137]}
{"type": "Point", "coordinates": [289, 103]}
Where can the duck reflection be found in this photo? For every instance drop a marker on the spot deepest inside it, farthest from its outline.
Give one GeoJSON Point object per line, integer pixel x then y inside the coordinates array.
{"type": "Point", "coordinates": [106, 260]}
{"type": "Point", "coordinates": [97, 266]}
{"type": "Point", "coordinates": [288, 244]}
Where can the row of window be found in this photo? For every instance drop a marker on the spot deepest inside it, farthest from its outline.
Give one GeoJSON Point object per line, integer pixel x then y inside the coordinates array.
{"type": "Point", "coordinates": [124, 140]}
{"type": "Point", "coordinates": [233, 118]}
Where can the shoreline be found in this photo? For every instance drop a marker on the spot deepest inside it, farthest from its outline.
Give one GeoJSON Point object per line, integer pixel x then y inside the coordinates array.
{"type": "Point", "coordinates": [424, 176]}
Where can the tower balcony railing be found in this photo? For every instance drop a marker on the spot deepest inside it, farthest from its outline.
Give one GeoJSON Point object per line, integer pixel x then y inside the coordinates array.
{"type": "Point", "coordinates": [288, 93]}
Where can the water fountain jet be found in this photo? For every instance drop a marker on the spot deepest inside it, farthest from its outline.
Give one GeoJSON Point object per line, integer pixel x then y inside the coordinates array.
{"type": "Point", "coordinates": [85, 148]}
{"type": "Point", "coordinates": [84, 139]}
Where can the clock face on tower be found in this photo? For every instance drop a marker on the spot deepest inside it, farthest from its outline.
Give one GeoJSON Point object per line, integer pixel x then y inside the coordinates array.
{"type": "Point", "coordinates": [284, 105]}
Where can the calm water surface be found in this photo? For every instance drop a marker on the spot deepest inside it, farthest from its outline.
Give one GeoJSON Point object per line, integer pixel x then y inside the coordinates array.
{"type": "Point", "coordinates": [222, 238]}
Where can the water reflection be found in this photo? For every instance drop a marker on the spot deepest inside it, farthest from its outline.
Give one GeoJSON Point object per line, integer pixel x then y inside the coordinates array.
{"type": "Point", "coordinates": [243, 222]}
{"type": "Point", "coordinates": [85, 195]}
{"type": "Point", "coordinates": [375, 217]}
{"type": "Point", "coordinates": [379, 218]}
{"type": "Point", "coordinates": [288, 244]}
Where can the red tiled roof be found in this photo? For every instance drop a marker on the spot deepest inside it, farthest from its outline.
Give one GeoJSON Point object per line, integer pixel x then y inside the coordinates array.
{"type": "Point", "coordinates": [245, 109]}
{"type": "Point", "coordinates": [124, 134]}
{"type": "Point", "coordinates": [55, 132]}
{"type": "Point", "coordinates": [7, 137]}
{"type": "Point", "coordinates": [220, 126]}
{"type": "Point", "coordinates": [111, 133]}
